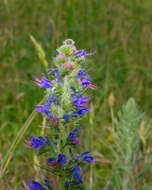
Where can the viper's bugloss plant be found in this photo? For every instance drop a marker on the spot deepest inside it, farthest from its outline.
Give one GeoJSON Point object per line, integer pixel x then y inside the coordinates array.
{"type": "Point", "coordinates": [65, 103]}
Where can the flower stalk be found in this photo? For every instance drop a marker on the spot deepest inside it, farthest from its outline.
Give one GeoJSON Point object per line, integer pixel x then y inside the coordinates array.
{"type": "Point", "coordinates": [62, 110]}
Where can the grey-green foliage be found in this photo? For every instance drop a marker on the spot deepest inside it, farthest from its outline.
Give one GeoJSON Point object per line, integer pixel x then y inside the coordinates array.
{"type": "Point", "coordinates": [126, 146]}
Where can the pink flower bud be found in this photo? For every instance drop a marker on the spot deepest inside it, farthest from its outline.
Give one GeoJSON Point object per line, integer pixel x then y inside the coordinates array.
{"type": "Point", "coordinates": [61, 56]}
{"type": "Point", "coordinates": [68, 65]}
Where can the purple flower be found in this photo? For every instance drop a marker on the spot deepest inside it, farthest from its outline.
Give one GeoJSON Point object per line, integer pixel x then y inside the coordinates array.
{"type": "Point", "coordinates": [77, 95]}
{"type": "Point", "coordinates": [53, 99]}
{"type": "Point", "coordinates": [33, 185]}
{"type": "Point", "coordinates": [45, 109]}
{"type": "Point", "coordinates": [42, 108]}
{"type": "Point", "coordinates": [56, 52]}
{"type": "Point", "coordinates": [61, 159]}
{"type": "Point", "coordinates": [50, 159]}
{"type": "Point", "coordinates": [84, 157]}
{"type": "Point", "coordinates": [87, 77]}
{"type": "Point", "coordinates": [38, 142]}
{"type": "Point", "coordinates": [76, 168]}
{"type": "Point", "coordinates": [80, 53]}
{"type": "Point", "coordinates": [72, 136]}
{"type": "Point", "coordinates": [75, 140]}
{"type": "Point", "coordinates": [43, 82]}
{"type": "Point", "coordinates": [83, 53]}
{"type": "Point", "coordinates": [88, 158]}
{"type": "Point", "coordinates": [78, 102]}
{"type": "Point", "coordinates": [66, 117]}
{"type": "Point", "coordinates": [73, 133]}
{"type": "Point", "coordinates": [81, 156]}
{"type": "Point", "coordinates": [84, 153]}
{"type": "Point", "coordinates": [67, 183]}
{"type": "Point", "coordinates": [81, 110]}
{"type": "Point", "coordinates": [77, 178]}
{"type": "Point", "coordinates": [80, 73]}
{"type": "Point", "coordinates": [87, 83]}
{"type": "Point", "coordinates": [76, 174]}
{"type": "Point", "coordinates": [57, 163]}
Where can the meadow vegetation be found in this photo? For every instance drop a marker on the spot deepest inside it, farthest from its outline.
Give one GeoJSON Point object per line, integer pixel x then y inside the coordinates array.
{"type": "Point", "coordinates": [120, 34]}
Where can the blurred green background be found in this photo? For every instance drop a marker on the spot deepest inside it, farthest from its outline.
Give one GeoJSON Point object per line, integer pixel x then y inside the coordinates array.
{"type": "Point", "coordinates": [119, 31]}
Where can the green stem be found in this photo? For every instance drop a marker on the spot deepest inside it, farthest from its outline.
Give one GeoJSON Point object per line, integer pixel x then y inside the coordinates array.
{"type": "Point", "coordinates": [61, 183]}
{"type": "Point", "coordinates": [112, 115]}
{"type": "Point", "coordinates": [91, 120]}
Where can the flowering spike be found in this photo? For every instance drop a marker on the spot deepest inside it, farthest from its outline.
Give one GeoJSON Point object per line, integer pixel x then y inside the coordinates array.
{"type": "Point", "coordinates": [64, 104]}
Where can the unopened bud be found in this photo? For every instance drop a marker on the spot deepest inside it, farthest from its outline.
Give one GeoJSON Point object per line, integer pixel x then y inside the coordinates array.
{"type": "Point", "coordinates": [68, 42]}
{"type": "Point", "coordinates": [111, 100]}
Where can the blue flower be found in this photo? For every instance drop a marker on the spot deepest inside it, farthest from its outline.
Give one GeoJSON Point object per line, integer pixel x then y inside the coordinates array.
{"type": "Point", "coordinates": [66, 117]}
{"type": "Point", "coordinates": [50, 98]}
{"type": "Point", "coordinates": [61, 159]}
{"type": "Point", "coordinates": [85, 82]}
{"type": "Point", "coordinates": [81, 110]}
{"type": "Point", "coordinates": [88, 158]}
{"type": "Point", "coordinates": [45, 109]}
{"type": "Point", "coordinates": [80, 73]}
{"type": "Point", "coordinates": [87, 77]}
{"type": "Point", "coordinates": [77, 178]}
{"type": "Point", "coordinates": [38, 142]}
{"type": "Point", "coordinates": [84, 157]}
{"type": "Point", "coordinates": [77, 95]}
{"type": "Point", "coordinates": [56, 52]}
{"type": "Point", "coordinates": [76, 174]}
{"type": "Point", "coordinates": [80, 53]}
{"type": "Point", "coordinates": [42, 108]}
{"type": "Point", "coordinates": [72, 136]}
{"type": "Point", "coordinates": [76, 168]}
{"type": "Point", "coordinates": [84, 153]}
{"type": "Point", "coordinates": [67, 183]}
{"type": "Point", "coordinates": [78, 102]}
{"type": "Point", "coordinates": [73, 133]}
{"type": "Point", "coordinates": [50, 159]}
{"type": "Point", "coordinates": [43, 82]}
{"type": "Point", "coordinates": [33, 185]}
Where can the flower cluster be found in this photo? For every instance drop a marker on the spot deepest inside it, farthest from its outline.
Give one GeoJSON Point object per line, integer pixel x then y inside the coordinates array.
{"type": "Point", "coordinates": [63, 107]}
